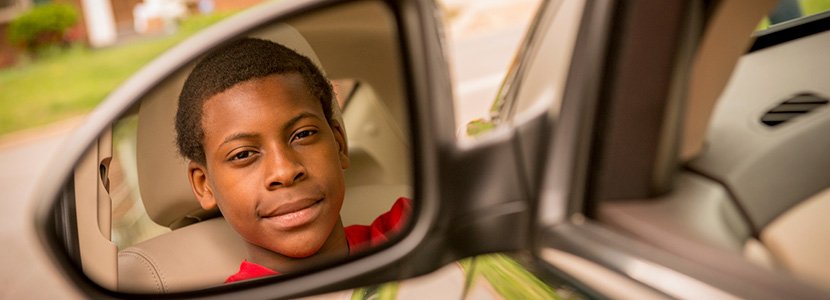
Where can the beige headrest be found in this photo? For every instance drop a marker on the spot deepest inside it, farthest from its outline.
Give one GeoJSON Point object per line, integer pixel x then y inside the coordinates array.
{"type": "Point", "coordinates": [162, 173]}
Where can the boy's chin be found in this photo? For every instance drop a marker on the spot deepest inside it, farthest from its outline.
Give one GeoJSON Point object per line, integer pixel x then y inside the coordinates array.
{"type": "Point", "coordinates": [299, 253]}
{"type": "Point", "coordinates": [302, 245]}
{"type": "Point", "coordinates": [300, 249]}
{"type": "Point", "coordinates": [308, 250]}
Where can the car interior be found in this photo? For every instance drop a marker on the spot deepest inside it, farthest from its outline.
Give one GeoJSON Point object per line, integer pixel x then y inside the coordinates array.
{"type": "Point", "coordinates": [757, 184]}
{"type": "Point", "coordinates": [189, 248]}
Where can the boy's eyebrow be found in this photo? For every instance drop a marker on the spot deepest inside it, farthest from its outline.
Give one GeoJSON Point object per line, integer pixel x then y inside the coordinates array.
{"type": "Point", "coordinates": [239, 136]}
{"type": "Point", "coordinates": [293, 121]}
{"type": "Point", "coordinates": [247, 135]}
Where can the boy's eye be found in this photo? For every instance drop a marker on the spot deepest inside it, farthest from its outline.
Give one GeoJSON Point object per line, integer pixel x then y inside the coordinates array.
{"type": "Point", "coordinates": [304, 134]}
{"type": "Point", "coordinates": [242, 155]}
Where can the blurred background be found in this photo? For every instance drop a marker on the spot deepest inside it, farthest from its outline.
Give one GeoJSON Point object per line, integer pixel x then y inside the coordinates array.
{"type": "Point", "coordinates": [60, 58]}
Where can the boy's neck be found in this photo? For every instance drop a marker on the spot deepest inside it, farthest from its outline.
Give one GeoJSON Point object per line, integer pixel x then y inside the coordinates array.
{"type": "Point", "coordinates": [335, 247]}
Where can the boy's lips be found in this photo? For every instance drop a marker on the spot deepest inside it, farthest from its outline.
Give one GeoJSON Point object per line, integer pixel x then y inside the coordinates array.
{"type": "Point", "coordinates": [294, 214]}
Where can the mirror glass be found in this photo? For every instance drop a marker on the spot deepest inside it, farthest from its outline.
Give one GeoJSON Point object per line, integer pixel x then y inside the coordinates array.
{"type": "Point", "coordinates": [267, 198]}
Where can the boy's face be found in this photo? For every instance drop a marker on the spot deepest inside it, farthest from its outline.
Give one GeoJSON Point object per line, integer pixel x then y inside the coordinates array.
{"type": "Point", "coordinates": [274, 165]}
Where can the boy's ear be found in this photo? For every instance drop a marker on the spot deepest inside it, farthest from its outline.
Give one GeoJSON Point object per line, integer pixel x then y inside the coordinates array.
{"type": "Point", "coordinates": [343, 147]}
{"type": "Point", "coordinates": [197, 174]}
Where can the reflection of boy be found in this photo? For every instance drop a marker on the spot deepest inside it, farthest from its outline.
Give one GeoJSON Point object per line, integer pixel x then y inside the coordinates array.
{"type": "Point", "coordinates": [255, 120]}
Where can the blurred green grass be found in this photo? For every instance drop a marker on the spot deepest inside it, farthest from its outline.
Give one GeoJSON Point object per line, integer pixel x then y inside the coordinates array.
{"type": "Point", "coordinates": [74, 81]}
{"type": "Point", "coordinates": [511, 280]}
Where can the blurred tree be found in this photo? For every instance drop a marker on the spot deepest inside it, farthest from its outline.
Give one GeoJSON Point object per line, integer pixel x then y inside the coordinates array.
{"type": "Point", "coordinates": [42, 27]}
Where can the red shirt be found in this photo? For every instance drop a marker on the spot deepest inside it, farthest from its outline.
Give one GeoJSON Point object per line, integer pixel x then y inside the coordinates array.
{"type": "Point", "coordinates": [358, 238]}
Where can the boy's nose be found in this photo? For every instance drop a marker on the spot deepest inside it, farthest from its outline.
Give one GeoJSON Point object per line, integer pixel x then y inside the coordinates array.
{"type": "Point", "coordinates": [284, 171]}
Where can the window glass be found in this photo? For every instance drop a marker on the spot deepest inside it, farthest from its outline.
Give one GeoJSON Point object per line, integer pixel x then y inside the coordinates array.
{"type": "Point", "coordinates": [482, 39]}
{"type": "Point", "coordinates": [538, 83]}
{"type": "Point", "coordinates": [543, 84]}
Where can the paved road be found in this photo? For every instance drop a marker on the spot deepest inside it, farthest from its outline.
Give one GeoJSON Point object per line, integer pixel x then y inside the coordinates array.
{"type": "Point", "coordinates": [22, 163]}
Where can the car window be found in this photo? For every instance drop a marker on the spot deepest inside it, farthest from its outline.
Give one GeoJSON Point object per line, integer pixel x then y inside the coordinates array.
{"type": "Point", "coordinates": [483, 38]}
{"type": "Point", "coordinates": [542, 85]}
{"type": "Point", "coordinates": [536, 84]}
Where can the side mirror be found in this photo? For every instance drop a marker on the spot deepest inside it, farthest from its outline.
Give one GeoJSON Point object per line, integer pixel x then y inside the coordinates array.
{"type": "Point", "coordinates": [386, 60]}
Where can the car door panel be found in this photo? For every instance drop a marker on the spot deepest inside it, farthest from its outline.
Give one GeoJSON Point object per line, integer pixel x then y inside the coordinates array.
{"type": "Point", "coordinates": [770, 169]}
{"type": "Point", "coordinates": [698, 208]}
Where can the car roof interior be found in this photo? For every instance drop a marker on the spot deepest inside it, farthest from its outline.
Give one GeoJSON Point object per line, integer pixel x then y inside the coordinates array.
{"type": "Point", "coordinates": [355, 42]}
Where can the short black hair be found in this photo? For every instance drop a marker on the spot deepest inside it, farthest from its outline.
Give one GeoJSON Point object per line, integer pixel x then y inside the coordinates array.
{"type": "Point", "coordinates": [231, 64]}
